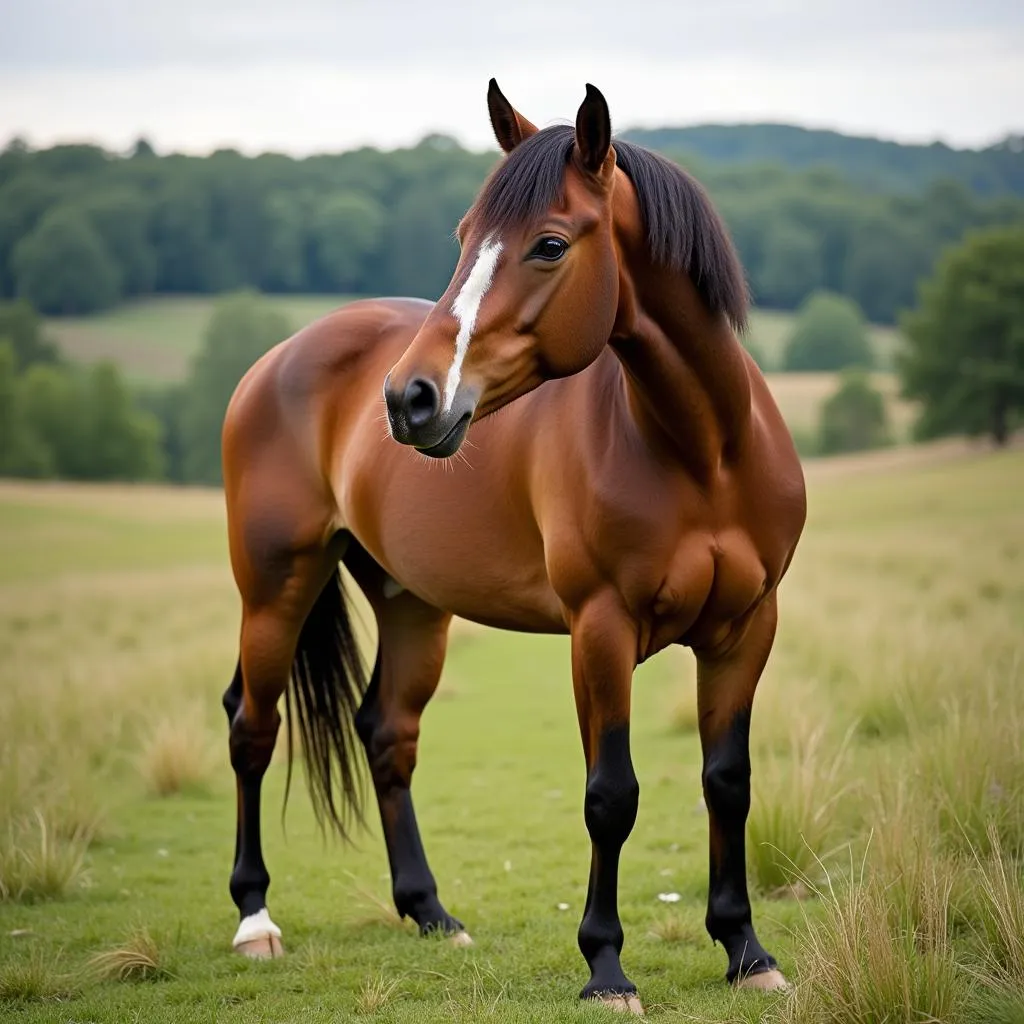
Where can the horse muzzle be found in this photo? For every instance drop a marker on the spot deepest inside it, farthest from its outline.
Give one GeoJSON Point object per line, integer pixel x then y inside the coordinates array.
{"type": "Point", "coordinates": [417, 416]}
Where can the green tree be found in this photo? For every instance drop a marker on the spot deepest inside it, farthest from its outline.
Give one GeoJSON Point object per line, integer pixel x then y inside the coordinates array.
{"type": "Point", "coordinates": [120, 215]}
{"type": "Point", "coordinates": [829, 334]}
{"type": "Point", "coordinates": [123, 441]}
{"type": "Point", "coordinates": [790, 266]}
{"type": "Point", "coordinates": [854, 417]}
{"type": "Point", "coordinates": [346, 234]}
{"type": "Point", "coordinates": [285, 260]}
{"type": "Point", "coordinates": [22, 454]}
{"type": "Point", "coordinates": [419, 241]}
{"type": "Point", "coordinates": [87, 423]}
{"type": "Point", "coordinates": [242, 328]}
{"type": "Point", "coordinates": [964, 354]}
{"type": "Point", "coordinates": [22, 327]}
{"type": "Point", "coordinates": [56, 411]}
{"type": "Point", "coordinates": [885, 259]}
{"type": "Point", "coordinates": [63, 266]}
{"type": "Point", "coordinates": [23, 202]}
{"type": "Point", "coordinates": [166, 403]}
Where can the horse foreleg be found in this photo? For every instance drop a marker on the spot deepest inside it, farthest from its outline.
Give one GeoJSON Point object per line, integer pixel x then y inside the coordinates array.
{"type": "Point", "coordinates": [725, 696]}
{"type": "Point", "coordinates": [603, 659]}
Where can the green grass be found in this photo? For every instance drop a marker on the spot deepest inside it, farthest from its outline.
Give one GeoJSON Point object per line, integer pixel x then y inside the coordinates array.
{"type": "Point", "coordinates": [118, 620]}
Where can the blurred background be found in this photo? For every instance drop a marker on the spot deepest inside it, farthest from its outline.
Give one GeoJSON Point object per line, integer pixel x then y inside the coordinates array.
{"type": "Point", "coordinates": [156, 158]}
{"type": "Point", "coordinates": [184, 185]}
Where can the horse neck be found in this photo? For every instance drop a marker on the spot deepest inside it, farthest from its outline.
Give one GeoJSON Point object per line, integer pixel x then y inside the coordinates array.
{"type": "Point", "coordinates": [685, 371]}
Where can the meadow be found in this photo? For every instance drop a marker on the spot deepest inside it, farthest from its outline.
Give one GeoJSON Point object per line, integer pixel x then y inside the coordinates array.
{"type": "Point", "coordinates": [885, 841]}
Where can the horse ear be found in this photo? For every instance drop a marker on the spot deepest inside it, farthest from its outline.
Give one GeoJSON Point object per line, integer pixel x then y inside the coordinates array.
{"type": "Point", "coordinates": [593, 130]}
{"type": "Point", "coordinates": [510, 127]}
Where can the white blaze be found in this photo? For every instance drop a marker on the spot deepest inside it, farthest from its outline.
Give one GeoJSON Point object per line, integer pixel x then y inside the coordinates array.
{"type": "Point", "coordinates": [465, 309]}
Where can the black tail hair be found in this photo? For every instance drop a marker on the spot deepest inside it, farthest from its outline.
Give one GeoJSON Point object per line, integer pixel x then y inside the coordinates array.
{"type": "Point", "coordinates": [328, 683]}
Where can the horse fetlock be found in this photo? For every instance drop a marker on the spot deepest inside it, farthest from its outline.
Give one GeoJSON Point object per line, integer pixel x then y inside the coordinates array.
{"type": "Point", "coordinates": [747, 957]}
{"type": "Point", "coordinates": [597, 935]}
{"type": "Point", "coordinates": [607, 980]}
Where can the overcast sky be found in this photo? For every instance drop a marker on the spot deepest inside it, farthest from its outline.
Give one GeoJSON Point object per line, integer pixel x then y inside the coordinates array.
{"type": "Point", "coordinates": [315, 75]}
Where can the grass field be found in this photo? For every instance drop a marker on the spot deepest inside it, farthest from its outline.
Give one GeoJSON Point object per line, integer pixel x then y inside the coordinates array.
{"type": "Point", "coordinates": [888, 739]}
{"type": "Point", "coordinates": [153, 340]}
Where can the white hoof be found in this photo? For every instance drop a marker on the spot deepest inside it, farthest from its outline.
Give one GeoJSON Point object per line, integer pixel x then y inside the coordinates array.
{"type": "Point", "coordinates": [766, 981]}
{"type": "Point", "coordinates": [622, 1003]}
{"type": "Point", "coordinates": [462, 938]}
{"type": "Point", "coordinates": [258, 937]}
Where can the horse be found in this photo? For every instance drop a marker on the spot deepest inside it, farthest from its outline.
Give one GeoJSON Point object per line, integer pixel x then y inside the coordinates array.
{"type": "Point", "coordinates": [638, 489]}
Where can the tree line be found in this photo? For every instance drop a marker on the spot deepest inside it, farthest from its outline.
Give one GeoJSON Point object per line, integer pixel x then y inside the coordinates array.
{"type": "Point", "coordinates": [82, 229]}
{"type": "Point", "coordinates": [876, 164]}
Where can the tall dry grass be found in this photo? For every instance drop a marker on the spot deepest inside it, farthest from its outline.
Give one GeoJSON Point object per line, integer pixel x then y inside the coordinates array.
{"type": "Point", "coordinates": [177, 753]}
{"type": "Point", "coordinates": [38, 861]}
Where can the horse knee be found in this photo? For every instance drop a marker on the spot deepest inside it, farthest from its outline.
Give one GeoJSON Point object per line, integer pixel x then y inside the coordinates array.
{"type": "Point", "coordinates": [391, 748]}
{"type": "Point", "coordinates": [613, 792]}
{"type": "Point", "coordinates": [726, 775]}
{"type": "Point", "coordinates": [232, 699]}
{"type": "Point", "coordinates": [252, 747]}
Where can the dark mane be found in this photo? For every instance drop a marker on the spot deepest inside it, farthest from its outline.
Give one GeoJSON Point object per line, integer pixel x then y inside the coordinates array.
{"type": "Point", "coordinates": [684, 231]}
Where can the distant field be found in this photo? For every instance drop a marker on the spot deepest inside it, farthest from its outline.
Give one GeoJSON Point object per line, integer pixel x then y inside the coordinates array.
{"type": "Point", "coordinates": [888, 727]}
{"type": "Point", "coordinates": [800, 396]}
{"type": "Point", "coordinates": [770, 329]}
{"type": "Point", "coordinates": [154, 338]}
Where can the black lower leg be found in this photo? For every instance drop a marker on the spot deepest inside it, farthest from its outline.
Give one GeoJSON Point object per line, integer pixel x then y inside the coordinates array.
{"type": "Point", "coordinates": [726, 781]}
{"type": "Point", "coordinates": [413, 886]}
{"type": "Point", "coordinates": [610, 810]}
{"type": "Point", "coordinates": [250, 756]}
{"type": "Point", "coordinates": [232, 701]}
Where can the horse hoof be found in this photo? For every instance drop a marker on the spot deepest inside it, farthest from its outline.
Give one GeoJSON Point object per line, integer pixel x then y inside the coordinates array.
{"type": "Point", "coordinates": [258, 937]}
{"type": "Point", "coordinates": [266, 947]}
{"type": "Point", "coordinates": [628, 1002]}
{"type": "Point", "coordinates": [462, 938]}
{"type": "Point", "coordinates": [765, 981]}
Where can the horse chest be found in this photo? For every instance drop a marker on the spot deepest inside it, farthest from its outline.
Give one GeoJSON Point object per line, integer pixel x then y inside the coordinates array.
{"type": "Point", "coordinates": [710, 583]}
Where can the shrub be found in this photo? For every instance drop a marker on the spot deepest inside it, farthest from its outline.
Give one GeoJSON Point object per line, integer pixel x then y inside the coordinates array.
{"type": "Point", "coordinates": [830, 334]}
{"type": "Point", "coordinates": [854, 418]}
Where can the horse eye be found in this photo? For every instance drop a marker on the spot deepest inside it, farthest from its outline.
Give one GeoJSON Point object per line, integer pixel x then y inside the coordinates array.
{"type": "Point", "coordinates": [549, 249]}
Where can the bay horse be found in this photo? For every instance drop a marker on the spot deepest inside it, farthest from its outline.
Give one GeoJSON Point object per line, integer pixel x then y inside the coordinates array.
{"type": "Point", "coordinates": [639, 489]}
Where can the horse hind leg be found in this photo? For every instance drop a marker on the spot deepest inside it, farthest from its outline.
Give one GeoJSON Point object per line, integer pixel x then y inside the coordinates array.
{"type": "Point", "coordinates": [251, 705]}
{"type": "Point", "coordinates": [304, 599]}
{"type": "Point", "coordinates": [412, 643]}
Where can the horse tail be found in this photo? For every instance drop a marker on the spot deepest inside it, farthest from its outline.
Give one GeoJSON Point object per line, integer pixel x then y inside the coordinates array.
{"type": "Point", "coordinates": [327, 686]}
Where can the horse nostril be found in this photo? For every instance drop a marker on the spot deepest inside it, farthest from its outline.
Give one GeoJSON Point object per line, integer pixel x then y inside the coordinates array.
{"type": "Point", "coordinates": [421, 401]}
